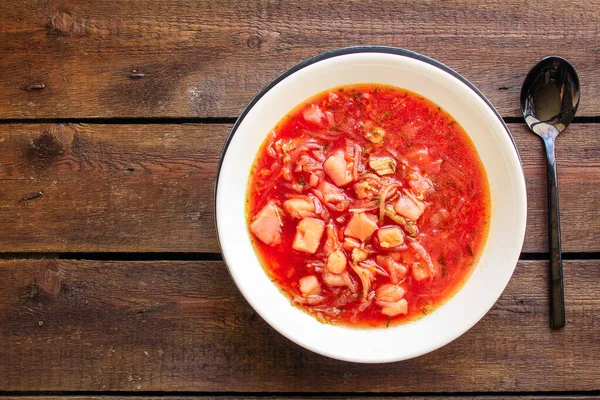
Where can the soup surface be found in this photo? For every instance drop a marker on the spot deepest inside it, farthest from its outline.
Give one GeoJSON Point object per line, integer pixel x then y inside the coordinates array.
{"type": "Point", "coordinates": [368, 205]}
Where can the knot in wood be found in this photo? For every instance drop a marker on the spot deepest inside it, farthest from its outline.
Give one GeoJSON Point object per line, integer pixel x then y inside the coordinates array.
{"type": "Point", "coordinates": [254, 41]}
{"type": "Point", "coordinates": [50, 281]}
{"type": "Point", "coordinates": [67, 23]}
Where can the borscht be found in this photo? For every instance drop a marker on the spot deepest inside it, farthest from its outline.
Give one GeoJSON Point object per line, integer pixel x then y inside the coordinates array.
{"type": "Point", "coordinates": [368, 206]}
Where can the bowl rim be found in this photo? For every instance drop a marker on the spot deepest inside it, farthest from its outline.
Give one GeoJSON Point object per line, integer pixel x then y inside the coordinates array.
{"type": "Point", "coordinates": [332, 54]}
{"type": "Point", "coordinates": [340, 52]}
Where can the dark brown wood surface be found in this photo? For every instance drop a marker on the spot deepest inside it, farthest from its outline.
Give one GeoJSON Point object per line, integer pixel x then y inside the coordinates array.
{"type": "Point", "coordinates": [320, 397]}
{"type": "Point", "coordinates": [160, 326]}
{"type": "Point", "coordinates": [149, 188]}
{"type": "Point", "coordinates": [189, 58]}
{"type": "Point", "coordinates": [87, 169]}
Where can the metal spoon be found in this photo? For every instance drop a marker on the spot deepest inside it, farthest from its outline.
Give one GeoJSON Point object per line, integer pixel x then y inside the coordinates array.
{"type": "Point", "coordinates": [549, 100]}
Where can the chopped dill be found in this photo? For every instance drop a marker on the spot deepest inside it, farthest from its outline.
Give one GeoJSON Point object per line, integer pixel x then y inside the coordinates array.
{"type": "Point", "coordinates": [469, 250]}
{"type": "Point", "coordinates": [427, 309]}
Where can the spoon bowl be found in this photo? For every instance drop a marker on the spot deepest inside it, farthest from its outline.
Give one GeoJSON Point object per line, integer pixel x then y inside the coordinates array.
{"type": "Point", "coordinates": [550, 96]}
{"type": "Point", "coordinates": [549, 100]}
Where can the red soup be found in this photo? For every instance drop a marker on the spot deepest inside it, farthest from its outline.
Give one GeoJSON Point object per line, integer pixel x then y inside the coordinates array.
{"type": "Point", "coordinates": [368, 205]}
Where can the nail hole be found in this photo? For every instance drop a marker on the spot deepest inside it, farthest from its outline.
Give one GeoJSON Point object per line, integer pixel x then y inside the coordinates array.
{"type": "Point", "coordinates": [135, 74]}
{"type": "Point", "coordinates": [35, 87]}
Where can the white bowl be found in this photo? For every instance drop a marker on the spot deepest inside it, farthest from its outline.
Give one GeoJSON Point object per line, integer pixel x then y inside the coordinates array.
{"type": "Point", "coordinates": [496, 149]}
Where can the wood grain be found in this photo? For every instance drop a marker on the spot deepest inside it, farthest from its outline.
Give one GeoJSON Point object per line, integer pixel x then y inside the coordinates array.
{"type": "Point", "coordinates": [161, 326]}
{"type": "Point", "coordinates": [311, 396]}
{"type": "Point", "coordinates": [145, 188]}
{"type": "Point", "coordinates": [118, 58]}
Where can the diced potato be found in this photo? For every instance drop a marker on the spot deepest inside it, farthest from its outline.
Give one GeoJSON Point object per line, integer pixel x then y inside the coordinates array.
{"type": "Point", "coordinates": [361, 226]}
{"type": "Point", "coordinates": [299, 208]}
{"type": "Point", "coordinates": [337, 168]}
{"type": "Point", "coordinates": [389, 293]}
{"type": "Point", "coordinates": [335, 280]}
{"type": "Point", "coordinates": [308, 235]}
{"type": "Point", "coordinates": [359, 255]}
{"type": "Point", "coordinates": [328, 189]}
{"type": "Point", "coordinates": [336, 262]}
{"type": "Point", "coordinates": [409, 207]}
{"type": "Point", "coordinates": [420, 272]}
{"type": "Point", "coordinates": [382, 165]}
{"type": "Point", "coordinates": [267, 225]}
{"type": "Point", "coordinates": [397, 308]}
{"type": "Point", "coordinates": [309, 285]}
{"type": "Point", "coordinates": [391, 236]}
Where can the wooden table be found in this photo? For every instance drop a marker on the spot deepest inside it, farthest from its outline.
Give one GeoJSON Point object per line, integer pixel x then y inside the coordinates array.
{"type": "Point", "coordinates": [113, 114]}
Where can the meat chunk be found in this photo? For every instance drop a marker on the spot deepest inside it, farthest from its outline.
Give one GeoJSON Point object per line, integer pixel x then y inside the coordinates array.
{"type": "Point", "coordinates": [382, 165]}
{"type": "Point", "coordinates": [267, 225]}
{"type": "Point", "coordinates": [336, 263]}
{"type": "Point", "coordinates": [365, 189]}
{"type": "Point", "coordinates": [338, 169]}
{"type": "Point", "coordinates": [333, 196]}
{"type": "Point", "coordinates": [299, 208]}
{"type": "Point", "coordinates": [418, 183]}
{"type": "Point", "coordinates": [308, 235]}
{"type": "Point", "coordinates": [374, 134]}
{"type": "Point", "coordinates": [359, 255]}
{"type": "Point", "coordinates": [331, 193]}
{"type": "Point", "coordinates": [361, 226]}
{"type": "Point", "coordinates": [390, 236]}
{"type": "Point", "coordinates": [309, 285]}
{"type": "Point", "coordinates": [420, 272]}
{"type": "Point", "coordinates": [396, 270]}
{"type": "Point", "coordinates": [409, 207]}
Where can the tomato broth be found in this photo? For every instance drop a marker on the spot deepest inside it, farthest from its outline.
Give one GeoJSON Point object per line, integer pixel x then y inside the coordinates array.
{"type": "Point", "coordinates": [368, 206]}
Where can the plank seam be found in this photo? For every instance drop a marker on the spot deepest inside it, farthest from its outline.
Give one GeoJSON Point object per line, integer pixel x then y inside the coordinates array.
{"type": "Point", "coordinates": [211, 256]}
{"type": "Point", "coordinates": [189, 394]}
{"type": "Point", "coordinates": [198, 120]}
{"type": "Point", "coordinates": [123, 121]}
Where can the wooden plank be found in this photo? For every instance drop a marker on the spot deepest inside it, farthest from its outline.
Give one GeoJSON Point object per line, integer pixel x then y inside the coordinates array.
{"type": "Point", "coordinates": [160, 326]}
{"type": "Point", "coordinates": [312, 397]}
{"type": "Point", "coordinates": [144, 188]}
{"type": "Point", "coordinates": [65, 58]}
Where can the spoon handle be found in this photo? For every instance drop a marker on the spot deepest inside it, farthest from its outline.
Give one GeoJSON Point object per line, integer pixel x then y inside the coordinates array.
{"type": "Point", "coordinates": [557, 296]}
